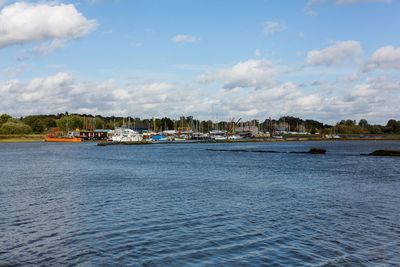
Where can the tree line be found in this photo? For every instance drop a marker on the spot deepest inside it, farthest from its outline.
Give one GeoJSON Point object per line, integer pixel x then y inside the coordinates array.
{"type": "Point", "coordinates": [40, 124]}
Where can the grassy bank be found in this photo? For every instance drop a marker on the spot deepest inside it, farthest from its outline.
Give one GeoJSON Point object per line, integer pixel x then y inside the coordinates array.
{"type": "Point", "coordinates": [21, 138]}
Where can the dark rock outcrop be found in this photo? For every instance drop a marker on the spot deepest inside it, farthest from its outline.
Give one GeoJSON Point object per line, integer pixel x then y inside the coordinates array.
{"type": "Point", "coordinates": [385, 152]}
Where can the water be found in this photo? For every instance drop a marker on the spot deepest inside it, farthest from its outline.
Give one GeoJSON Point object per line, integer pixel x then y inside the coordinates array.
{"type": "Point", "coordinates": [79, 204]}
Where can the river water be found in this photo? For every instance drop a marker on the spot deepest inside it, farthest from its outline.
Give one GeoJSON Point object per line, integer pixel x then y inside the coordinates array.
{"type": "Point", "coordinates": [184, 205]}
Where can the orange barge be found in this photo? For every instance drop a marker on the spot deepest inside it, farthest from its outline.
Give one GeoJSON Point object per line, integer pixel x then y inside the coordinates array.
{"type": "Point", "coordinates": [56, 138]}
{"type": "Point", "coordinates": [62, 139]}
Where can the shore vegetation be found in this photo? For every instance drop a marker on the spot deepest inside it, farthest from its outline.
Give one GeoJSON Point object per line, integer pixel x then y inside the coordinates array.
{"type": "Point", "coordinates": [43, 124]}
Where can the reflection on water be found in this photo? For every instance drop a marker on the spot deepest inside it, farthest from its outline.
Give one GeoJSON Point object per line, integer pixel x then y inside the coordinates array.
{"type": "Point", "coordinates": [163, 205]}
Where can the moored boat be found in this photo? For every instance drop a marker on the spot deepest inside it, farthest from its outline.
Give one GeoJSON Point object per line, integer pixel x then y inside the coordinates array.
{"type": "Point", "coordinates": [62, 139]}
{"type": "Point", "coordinates": [53, 137]}
{"type": "Point", "coordinates": [158, 138]}
{"type": "Point", "coordinates": [234, 137]}
{"type": "Point", "coordinates": [125, 135]}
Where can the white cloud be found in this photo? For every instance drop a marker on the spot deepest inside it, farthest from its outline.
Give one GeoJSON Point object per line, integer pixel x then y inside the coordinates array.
{"type": "Point", "coordinates": [137, 44]}
{"type": "Point", "coordinates": [12, 72]}
{"type": "Point", "coordinates": [313, 2]}
{"type": "Point", "coordinates": [27, 23]}
{"type": "Point", "coordinates": [334, 55]}
{"type": "Point", "coordinates": [251, 73]}
{"type": "Point", "coordinates": [184, 39]}
{"type": "Point", "coordinates": [374, 88]}
{"type": "Point", "coordinates": [276, 101]}
{"type": "Point", "coordinates": [47, 48]}
{"type": "Point", "coordinates": [309, 11]}
{"type": "Point", "coordinates": [349, 79]}
{"type": "Point", "coordinates": [273, 26]}
{"type": "Point", "coordinates": [346, 2]}
{"type": "Point", "coordinates": [374, 98]}
{"type": "Point", "coordinates": [386, 57]}
{"type": "Point", "coordinates": [62, 92]}
{"type": "Point", "coordinates": [257, 53]}
{"type": "Point", "coordinates": [317, 83]}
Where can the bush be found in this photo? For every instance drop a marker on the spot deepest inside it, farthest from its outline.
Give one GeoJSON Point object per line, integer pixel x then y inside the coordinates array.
{"type": "Point", "coordinates": [35, 123]}
{"type": "Point", "coordinates": [15, 128]}
{"type": "Point", "coordinates": [349, 129]}
{"type": "Point", "coordinates": [14, 120]}
{"type": "Point", "coordinates": [4, 118]}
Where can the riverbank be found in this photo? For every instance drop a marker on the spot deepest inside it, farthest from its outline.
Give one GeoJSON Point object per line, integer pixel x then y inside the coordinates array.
{"type": "Point", "coordinates": [21, 138]}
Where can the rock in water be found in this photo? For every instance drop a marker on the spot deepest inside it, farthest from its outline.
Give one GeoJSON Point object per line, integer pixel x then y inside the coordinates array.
{"type": "Point", "coordinates": [317, 150]}
{"type": "Point", "coordinates": [101, 143]}
{"type": "Point", "coordinates": [385, 152]}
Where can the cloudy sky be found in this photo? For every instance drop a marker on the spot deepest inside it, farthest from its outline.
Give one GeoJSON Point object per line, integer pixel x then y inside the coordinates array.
{"type": "Point", "coordinates": [318, 59]}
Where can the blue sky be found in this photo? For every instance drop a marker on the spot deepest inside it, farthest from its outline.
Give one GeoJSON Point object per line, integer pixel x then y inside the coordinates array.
{"type": "Point", "coordinates": [318, 59]}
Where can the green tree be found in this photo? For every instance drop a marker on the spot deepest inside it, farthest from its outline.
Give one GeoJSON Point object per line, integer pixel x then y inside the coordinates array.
{"type": "Point", "coordinates": [393, 126]}
{"type": "Point", "coordinates": [349, 129]}
{"type": "Point", "coordinates": [375, 129]}
{"type": "Point", "coordinates": [316, 124]}
{"type": "Point", "coordinates": [167, 124]}
{"type": "Point", "coordinates": [363, 123]}
{"type": "Point", "coordinates": [15, 128]}
{"type": "Point", "coordinates": [158, 125]}
{"type": "Point", "coordinates": [70, 122]}
{"type": "Point", "coordinates": [15, 120]}
{"type": "Point", "coordinates": [35, 122]}
{"type": "Point", "coordinates": [109, 125]}
{"type": "Point", "coordinates": [49, 123]}
{"type": "Point", "coordinates": [99, 123]}
{"type": "Point", "coordinates": [4, 118]}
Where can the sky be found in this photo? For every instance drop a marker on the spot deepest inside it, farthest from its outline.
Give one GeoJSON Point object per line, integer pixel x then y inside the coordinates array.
{"type": "Point", "coordinates": [325, 60]}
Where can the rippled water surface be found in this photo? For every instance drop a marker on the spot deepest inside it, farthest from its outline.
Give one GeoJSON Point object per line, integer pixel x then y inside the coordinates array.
{"type": "Point", "coordinates": [79, 204]}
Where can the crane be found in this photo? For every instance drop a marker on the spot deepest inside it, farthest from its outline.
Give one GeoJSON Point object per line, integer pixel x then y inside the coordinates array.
{"type": "Point", "coordinates": [231, 126]}
{"type": "Point", "coordinates": [52, 134]}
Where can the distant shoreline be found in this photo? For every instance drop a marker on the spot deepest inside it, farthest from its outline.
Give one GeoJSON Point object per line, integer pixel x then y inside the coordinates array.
{"type": "Point", "coordinates": [40, 138]}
